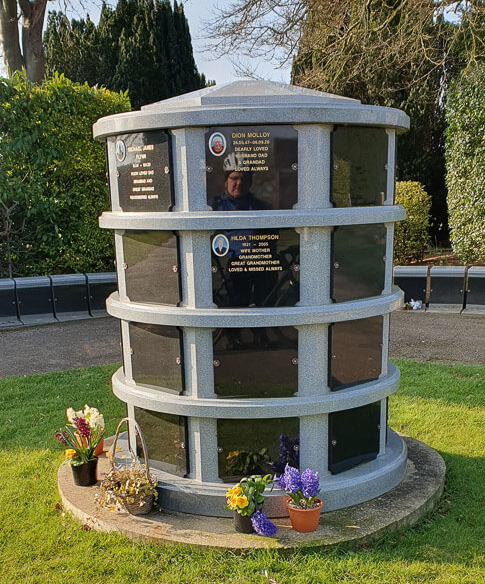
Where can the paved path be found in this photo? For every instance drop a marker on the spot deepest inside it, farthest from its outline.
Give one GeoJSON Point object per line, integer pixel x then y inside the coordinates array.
{"type": "Point", "coordinates": [423, 336]}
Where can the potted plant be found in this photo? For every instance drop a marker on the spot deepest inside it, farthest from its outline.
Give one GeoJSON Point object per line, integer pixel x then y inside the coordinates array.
{"type": "Point", "coordinates": [81, 441]}
{"type": "Point", "coordinates": [303, 506]}
{"type": "Point", "coordinates": [245, 500]}
{"type": "Point", "coordinates": [129, 487]}
{"type": "Point", "coordinates": [93, 418]}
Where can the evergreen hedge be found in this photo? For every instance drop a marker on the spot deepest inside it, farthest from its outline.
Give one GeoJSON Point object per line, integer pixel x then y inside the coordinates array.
{"type": "Point", "coordinates": [53, 177]}
{"type": "Point", "coordinates": [411, 235]}
{"type": "Point", "coordinates": [465, 163]}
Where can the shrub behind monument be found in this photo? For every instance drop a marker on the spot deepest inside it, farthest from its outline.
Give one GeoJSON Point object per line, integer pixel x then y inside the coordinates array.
{"type": "Point", "coordinates": [52, 177]}
{"type": "Point", "coordinates": [411, 235]}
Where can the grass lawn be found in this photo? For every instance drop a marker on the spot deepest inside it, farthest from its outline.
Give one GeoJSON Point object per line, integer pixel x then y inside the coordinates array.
{"type": "Point", "coordinates": [438, 404]}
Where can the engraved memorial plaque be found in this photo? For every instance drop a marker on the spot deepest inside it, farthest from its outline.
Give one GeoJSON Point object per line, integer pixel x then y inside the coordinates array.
{"type": "Point", "coordinates": [255, 267]}
{"type": "Point", "coordinates": [359, 166]}
{"type": "Point", "coordinates": [272, 353]}
{"type": "Point", "coordinates": [165, 436]}
{"type": "Point", "coordinates": [358, 261]}
{"type": "Point", "coordinates": [247, 447]}
{"type": "Point", "coordinates": [143, 163]}
{"type": "Point", "coordinates": [353, 437]}
{"type": "Point", "coordinates": [151, 266]}
{"type": "Point", "coordinates": [157, 356]}
{"type": "Point", "coordinates": [355, 352]}
{"type": "Point", "coordinates": [251, 168]}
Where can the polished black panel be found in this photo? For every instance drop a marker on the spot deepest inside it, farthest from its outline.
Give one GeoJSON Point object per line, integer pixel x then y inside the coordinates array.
{"type": "Point", "coordinates": [255, 267]}
{"type": "Point", "coordinates": [353, 437]}
{"type": "Point", "coordinates": [249, 447]}
{"type": "Point", "coordinates": [165, 437]}
{"type": "Point", "coordinates": [358, 261]}
{"type": "Point", "coordinates": [251, 168]}
{"type": "Point", "coordinates": [151, 262]}
{"type": "Point", "coordinates": [256, 362]}
{"type": "Point", "coordinates": [144, 171]}
{"type": "Point", "coordinates": [355, 352]}
{"type": "Point", "coordinates": [359, 166]}
{"type": "Point", "coordinates": [156, 358]}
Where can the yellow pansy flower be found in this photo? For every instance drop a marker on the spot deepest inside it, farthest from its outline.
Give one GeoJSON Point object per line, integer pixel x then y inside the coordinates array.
{"type": "Point", "coordinates": [69, 453]}
{"type": "Point", "coordinates": [242, 502]}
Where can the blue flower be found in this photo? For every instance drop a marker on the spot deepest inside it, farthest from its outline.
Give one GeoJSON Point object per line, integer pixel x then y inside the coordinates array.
{"type": "Point", "coordinates": [290, 481]}
{"type": "Point", "coordinates": [309, 483]}
{"type": "Point", "coordinates": [262, 525]}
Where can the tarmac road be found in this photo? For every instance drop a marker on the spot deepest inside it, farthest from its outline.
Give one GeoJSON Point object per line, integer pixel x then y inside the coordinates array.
{"type": "Point", "coordinates": [422, 336]}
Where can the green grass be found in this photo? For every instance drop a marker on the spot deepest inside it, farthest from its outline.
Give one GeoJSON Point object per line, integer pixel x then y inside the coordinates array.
{"type": "Point", "coordinates": [441, 405]}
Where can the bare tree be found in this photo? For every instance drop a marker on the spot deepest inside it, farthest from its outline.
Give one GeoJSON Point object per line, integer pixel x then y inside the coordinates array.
{"type": "Point", "coordinates": [25, 50]}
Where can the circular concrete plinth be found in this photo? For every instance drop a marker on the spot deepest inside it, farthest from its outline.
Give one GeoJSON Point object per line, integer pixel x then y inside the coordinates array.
{"type": "Point", "coordinates": [401, 507]}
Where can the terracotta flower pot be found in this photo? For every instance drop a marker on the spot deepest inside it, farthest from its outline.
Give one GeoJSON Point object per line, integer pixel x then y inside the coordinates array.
{"type": "Point", "coordinates": [304, 520]}
{"type": "Point", "coordinates": [99, 448]}
{"type": "Point", "coordinates": [85, 474]}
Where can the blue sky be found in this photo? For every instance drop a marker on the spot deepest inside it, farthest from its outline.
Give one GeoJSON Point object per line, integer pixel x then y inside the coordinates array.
{"type": "Point", "coordinates": [196, 11]}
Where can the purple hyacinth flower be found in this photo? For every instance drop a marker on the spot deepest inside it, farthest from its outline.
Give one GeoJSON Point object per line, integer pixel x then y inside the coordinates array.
{"type": "Point", "coordinates": [60, 437]}
{"type": "Point", "coordinates": [309, 483]}
{"type": "Point", "coordinates": [291, 479]}
{"type": "Point", "coordinates": [262, 525]}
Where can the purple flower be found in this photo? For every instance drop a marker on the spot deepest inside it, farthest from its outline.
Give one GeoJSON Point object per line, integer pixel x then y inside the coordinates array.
{"type": "Point", "coordinates": [262, 525]}
{"type": "Point", "coordinates": [290, 481]}
{"type": "Point", "coordinates": [60, 436]}
{"type": "Point", "coordinates": [309, 483]}
{"type": "Point", "coordinates": [82, 427]}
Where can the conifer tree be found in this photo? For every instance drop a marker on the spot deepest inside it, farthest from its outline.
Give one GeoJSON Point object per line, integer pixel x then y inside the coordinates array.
{"type": "Point", "coordinates": [143, 46]}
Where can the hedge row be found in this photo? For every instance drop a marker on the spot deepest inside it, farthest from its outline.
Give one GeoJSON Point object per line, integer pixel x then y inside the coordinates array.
{"type": "Point", "coordinates": [465, 161]}
{"type": "Point", "coordinates": [53, 177]}
{"type": "Point", "coordinates": [411, 235]}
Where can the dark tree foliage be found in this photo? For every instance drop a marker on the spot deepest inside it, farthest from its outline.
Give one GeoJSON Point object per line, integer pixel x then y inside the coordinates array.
{"type": "Point", "coordinates": [142, 46]}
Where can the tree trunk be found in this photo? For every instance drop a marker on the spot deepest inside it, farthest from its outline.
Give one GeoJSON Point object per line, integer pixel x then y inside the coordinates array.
{"type": "Point", "coordinates": [9, 36]}
{"type": "Point", "coordinates": [33, 14]}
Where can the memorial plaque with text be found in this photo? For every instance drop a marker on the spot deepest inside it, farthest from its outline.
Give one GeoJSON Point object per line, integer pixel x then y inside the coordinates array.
{"type": "Point", "coordinates": [144, 171]}
{"type": "Point", "coordinates": [251, 168]}
{"type": "Point", "coordinates": [255, 267]}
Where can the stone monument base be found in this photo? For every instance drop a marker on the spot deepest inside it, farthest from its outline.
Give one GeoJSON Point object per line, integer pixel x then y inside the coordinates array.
{"type": "Point", "coordinates": [400, 507]}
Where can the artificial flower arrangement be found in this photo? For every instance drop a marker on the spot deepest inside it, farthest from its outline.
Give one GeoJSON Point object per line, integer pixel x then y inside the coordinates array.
{"type": "Point", "coordinates": [130, 487]}
{"type": "Point", "coordinates": [81, 435]}
{"type": "Point", "coordinates": [246, 499]}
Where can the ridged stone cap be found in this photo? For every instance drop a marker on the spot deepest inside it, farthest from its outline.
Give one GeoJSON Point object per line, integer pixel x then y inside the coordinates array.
{"type": "Point", "coordinates": [251, 102]}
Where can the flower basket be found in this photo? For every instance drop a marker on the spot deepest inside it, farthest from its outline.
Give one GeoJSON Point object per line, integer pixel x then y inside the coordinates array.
{"type": "Point", "coordinates": [136, 504]}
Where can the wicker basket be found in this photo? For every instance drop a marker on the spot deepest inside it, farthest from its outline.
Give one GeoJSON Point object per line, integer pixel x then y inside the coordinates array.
{"type": "Point", "coordinates": [136, 505]}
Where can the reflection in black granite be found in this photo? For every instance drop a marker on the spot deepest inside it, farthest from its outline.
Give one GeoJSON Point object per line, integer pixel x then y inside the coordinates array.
{"type": "Point", "coordinates": [353, 437]}
{"type": "Point", "coordinates": [259, 268]}
{"type": "Point", "coordinates": [355, 351]}
{"type": "Point", "coordinates": [144, 171]}
{"type": "Point", "coordinates": [359, 166]}
{"type": "Point", "coordinates": [151, 259]}
{"type": "Point", "coordinates": [256, 362]}
{"type": "Point", "coordinates": [358, 261]}
{"type": "Point", "coordinates": [249, 447]}
{"type": "Point", "coordinates": [251, 168]}
{"type": "Point", "coordinates": [157, 356]}
{"type": "Point", "coordinates": [165, 437]}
